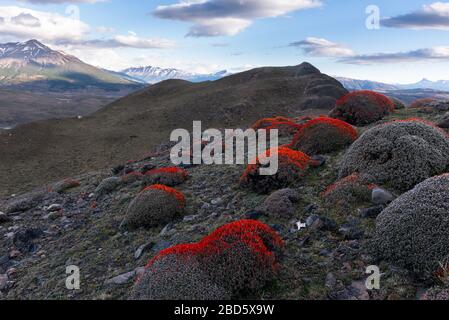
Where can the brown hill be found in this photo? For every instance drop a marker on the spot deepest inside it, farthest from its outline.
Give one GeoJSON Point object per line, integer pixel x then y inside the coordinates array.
{"type": "Point", "coordinates": [41, 152]}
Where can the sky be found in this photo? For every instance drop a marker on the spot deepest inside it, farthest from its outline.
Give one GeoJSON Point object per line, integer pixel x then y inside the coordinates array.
{"type": "Point", "coordinates": [400, 41]}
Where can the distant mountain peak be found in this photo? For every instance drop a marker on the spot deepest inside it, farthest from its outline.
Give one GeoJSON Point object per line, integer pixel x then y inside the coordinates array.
{"type": "Point", "coordinates": [152, 74]}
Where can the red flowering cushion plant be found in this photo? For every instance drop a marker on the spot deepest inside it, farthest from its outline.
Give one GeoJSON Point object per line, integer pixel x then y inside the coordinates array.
{"type": "Point", "coordinates": [154, 206]}
{"type": "Point", "coordinates": [361, 108]}
{"type": "Point", "coordinates": [292, 166]}
{"type": "Point", "coordinates": [237, 260]}
{"type": "Point", "coordinates": [286, 126]}
{"type": "Point", "coordinates": [324, 135]}
{"type": "Point", "coordinates": [171, 177]}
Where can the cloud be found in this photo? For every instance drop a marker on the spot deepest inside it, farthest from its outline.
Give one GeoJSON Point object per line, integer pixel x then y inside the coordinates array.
{"type": "Point", "coordinates": [26, 24]}
{"type": "Point", "coordinates": [103, 29]}
{"type": "Point", "coordinates": [212, 18]}
{"type": "Point", "coordinates": [319, 47]}
{"type": "Point", "coordinates": [120, 41]}
{"type": "Point", "coordinates": [2, 20]}
{"type": "Point", "coordinates": [428, 54]}
{"type": "Point", "coordinates": [60, 1]}
{"type": "Point", "coordinates": [432, 16]}
{"type": "Point", "coordinates": [27, 20]}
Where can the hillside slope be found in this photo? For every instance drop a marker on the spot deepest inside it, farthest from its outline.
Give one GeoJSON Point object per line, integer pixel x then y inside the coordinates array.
{"type": "Point", "coordinates": [37, 153]}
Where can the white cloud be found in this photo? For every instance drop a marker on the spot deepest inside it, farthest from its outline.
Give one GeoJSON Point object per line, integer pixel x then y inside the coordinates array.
{"type": "Point", "coordinates": [440, 53]}
{"type": "Point", "coordinates": [26, 23]}
{"type": "Point", "coordinates": [228, 17]}
{"type": "Point", "coordinates": [60, 1]}
{"type": "Point", "coordinates": [320, 47]}
{"type": "Point", "coordinates": [131, 40]}
{"type": "Point", "coordinates": [432, 16]}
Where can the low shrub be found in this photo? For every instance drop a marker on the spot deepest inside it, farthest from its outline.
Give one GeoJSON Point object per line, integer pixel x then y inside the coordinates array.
{"type": "Point", "coordinates": [349, 190]}
{"type": "Point", "coordinates": [171, 177]}
{"type": "Point", "coordinates": [323, 135]}
{"type": "Point", "coordinates": [292, 167]}
{"type": "Point", "coordinates": [412, 232]}
{"type": "Point", "coordinates": [400, 153]}
{"type": "Point", "coordinates": [286, 126]}
{"type": "Point", "coordinates": [361, 108]}
{"type": "Point", "coordinates": [154, 206]}
{"type": "Point", "coordinates": [236, 260]}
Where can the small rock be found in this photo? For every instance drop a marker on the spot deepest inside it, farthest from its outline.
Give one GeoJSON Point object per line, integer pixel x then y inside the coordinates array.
{"type": "Point", "coordinates": [331, 281]}
{"type": "Point", "coordinates": [217, 201]}
{"type": "Point", "coordinates": [142, 249]}
{"type": "Point", "coordinates": [190, 218]}
{"type": "Point", "coordinates": [359, 291]}
{"type": "Point", "coordinates": [122, 279]}
{"type": "Point", "coordinates": [54, 207]}
{"type": "Point", "coordinates": [371, 212]}
{"type": "Point", "coordinates": [319, 160]}
{"type": "Point", "coordinates": [9, 235]}
{"type": "Point", "coordinates": [24, 202]}
{"type": "Point", "coordinates": [381, 196]}
{"type": "Point", "coordinates": [140, 271]}
{"type": "Point", "coordinates": [167, 228]}
{"type": "Point", "coordinates": [351, 231]}
{"type": "Point", "coordinates": [311, 208]}
{"type": "Point", "coordinates": [3, 281]}
{"type": "Point", "coordinates": [314, 222]}
{"type": "Point", "coordinates": [14, 254]}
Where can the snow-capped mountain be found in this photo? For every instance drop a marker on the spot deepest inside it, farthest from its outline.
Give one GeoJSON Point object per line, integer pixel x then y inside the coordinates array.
{"type": "Point", "coordinates": [154, 75]}
{"type": "Point", "coordinates": [354, 84]}
{"type": "Point", "coordinates": [33, 65]}
{"type": "Point", "coordinates": [32, 52]}
{"type": "Point", "coordinates": [440, 85]}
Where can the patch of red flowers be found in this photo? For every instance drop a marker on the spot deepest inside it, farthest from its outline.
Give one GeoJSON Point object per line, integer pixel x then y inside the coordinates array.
{"type": "Point", "coordinates": [256, 235]}
{"type": "Point", "coordinates": [343, 128]}
{"type": "Point", "coordinates": [379, 99]}
{"type": "Point", "coordinates": [286, 157]}
{"type": "Point", "coordinates": [170, 170]}
{"type": "Point", "coordinates": [421, 103]}
{"type": "Point", "coordinates": [178, 195]}
{"type": "Point", "coordinates": [352, 179]}
{"type": "Point", "coordinates": [285, 125]}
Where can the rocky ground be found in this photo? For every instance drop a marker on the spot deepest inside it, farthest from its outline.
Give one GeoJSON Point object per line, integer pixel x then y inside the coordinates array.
{"type": "Point", "coordinates": [70, 224]}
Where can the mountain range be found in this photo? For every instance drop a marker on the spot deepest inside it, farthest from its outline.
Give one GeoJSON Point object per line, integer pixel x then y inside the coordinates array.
{"type": "Point", "coordinates": [354, 84]}
{"type": "Point", "coordinates": [154, 75]}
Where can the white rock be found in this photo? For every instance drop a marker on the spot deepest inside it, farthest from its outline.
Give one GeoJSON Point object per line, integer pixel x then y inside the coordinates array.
{"type": "Point", "coordinates": [122, 279]}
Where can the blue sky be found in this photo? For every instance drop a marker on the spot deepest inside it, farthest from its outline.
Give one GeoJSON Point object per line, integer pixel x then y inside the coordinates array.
{"type": "Point", "coordinates": [411, 43]}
